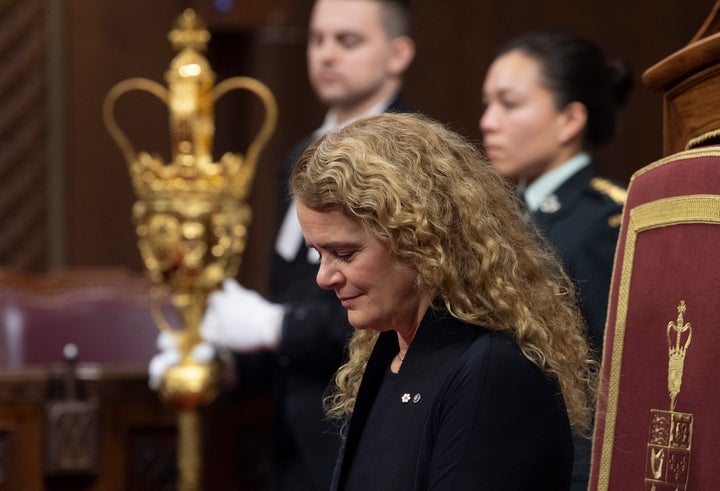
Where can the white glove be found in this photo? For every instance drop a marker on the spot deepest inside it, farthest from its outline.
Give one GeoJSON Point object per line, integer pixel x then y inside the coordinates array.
{"type": "Point", "coordinates": [242, 320]}
{"type": "Point", "coordinates": [170, 356]}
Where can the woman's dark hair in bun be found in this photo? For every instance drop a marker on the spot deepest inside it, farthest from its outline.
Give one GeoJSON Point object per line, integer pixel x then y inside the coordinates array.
{"type": "Point", "coordinates": [576, 70]}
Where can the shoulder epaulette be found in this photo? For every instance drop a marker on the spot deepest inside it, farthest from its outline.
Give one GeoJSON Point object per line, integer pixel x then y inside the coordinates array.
{"type": "Point", "coordinates": [611, 190]}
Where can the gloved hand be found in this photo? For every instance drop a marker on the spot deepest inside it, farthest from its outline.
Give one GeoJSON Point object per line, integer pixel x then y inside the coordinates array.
{"type": "Point", "coordinates": [242, 320]}
{"type": "Point", "coordinates": [170, 355]}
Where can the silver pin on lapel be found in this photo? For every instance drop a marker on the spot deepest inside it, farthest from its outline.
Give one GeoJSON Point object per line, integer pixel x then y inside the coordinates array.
{"type": "Point", "coordinates": [550, 205]}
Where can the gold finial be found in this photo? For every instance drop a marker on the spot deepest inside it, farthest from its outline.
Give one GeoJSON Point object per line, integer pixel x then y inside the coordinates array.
{"type": "Point", "coordinates": [189, 32]}
{"type": "Point", "coordinates": [676, 351]}
{"type": "Point", "coordinates": [192, 214]}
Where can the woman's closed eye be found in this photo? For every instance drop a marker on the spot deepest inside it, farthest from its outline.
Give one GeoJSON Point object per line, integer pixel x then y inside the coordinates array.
{"type": "Point", "coordinates": [343, 256]}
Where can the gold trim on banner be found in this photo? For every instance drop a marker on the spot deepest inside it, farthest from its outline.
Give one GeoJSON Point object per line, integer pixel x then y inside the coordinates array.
{"type": "Point", "coordinates": [684, 155]}
{"type": "Point", "coordinates": [699, 208]}
{"type": "Point", "coordinates": [703, 139]}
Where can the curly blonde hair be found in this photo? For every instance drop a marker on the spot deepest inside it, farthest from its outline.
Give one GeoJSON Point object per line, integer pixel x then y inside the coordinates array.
{"type": "Point", "coordinates": [430, 195]}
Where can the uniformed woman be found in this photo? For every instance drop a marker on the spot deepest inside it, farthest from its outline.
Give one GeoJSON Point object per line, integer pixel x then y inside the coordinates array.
{"type": "Point", "coordinates": [551, 99]}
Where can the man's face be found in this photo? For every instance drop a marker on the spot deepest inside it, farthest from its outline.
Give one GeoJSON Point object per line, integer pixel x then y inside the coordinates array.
{"type": "Point", "coordinates": [349, 52]}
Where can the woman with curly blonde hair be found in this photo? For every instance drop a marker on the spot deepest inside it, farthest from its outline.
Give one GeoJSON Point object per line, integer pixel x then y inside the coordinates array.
{"type": "Point", "coordinates": [469, 364]}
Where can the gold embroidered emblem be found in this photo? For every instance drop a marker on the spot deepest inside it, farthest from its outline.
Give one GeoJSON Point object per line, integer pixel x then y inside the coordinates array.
{"type": "Point", "coordinates": [613, 191]}
{"type": "Point", "coordinates": [670, 437]}
{"type": "Point", "coordinates": [677, 351]}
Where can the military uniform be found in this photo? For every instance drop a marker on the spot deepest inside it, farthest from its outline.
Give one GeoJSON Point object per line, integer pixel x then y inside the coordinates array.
{"type": "Point", "coordinates": [581, 218]}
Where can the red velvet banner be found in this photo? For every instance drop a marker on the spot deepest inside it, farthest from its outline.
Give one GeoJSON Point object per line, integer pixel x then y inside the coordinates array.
{"type": "Point", "coordinates": [657, 424]}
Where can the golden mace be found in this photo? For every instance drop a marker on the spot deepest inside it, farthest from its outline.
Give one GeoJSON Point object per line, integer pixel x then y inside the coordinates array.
{"type": "Point", "coordinates": [191, 215]}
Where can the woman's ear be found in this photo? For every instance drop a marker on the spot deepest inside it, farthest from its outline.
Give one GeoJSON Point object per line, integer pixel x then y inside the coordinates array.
{"type": "Point", "coordinates": [402, 54]}
{"type": "Point", "coordinates": [574, 121]}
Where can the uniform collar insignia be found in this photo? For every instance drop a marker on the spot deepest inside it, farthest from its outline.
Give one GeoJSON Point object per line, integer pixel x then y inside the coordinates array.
{"type": "Point", "coordinates": [551, 204]}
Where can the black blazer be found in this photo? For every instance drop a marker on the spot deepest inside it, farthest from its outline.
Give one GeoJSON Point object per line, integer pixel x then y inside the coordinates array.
{"type": "Point", "coordinates": [485, 416]}
{"type": "Point", "coordinates": [584, 230]}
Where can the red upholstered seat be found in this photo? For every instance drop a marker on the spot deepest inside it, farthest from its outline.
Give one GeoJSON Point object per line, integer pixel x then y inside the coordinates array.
{"type": "Point", "coordinates": [657, 421]}
{"type": "Point", "coordinates": [106, 313]}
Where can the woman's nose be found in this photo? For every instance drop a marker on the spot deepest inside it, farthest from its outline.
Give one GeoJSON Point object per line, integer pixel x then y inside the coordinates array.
{"type": "Point", "coordinates": [488, 120]}
{"type": "Point", "coordinates": [327, 276]}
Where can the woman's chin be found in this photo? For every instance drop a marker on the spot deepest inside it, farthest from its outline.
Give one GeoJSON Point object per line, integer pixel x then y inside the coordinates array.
{"type": "Point", "coordinates": [359, 322]}
{"type": "Point", "coordinates": [358, 325]}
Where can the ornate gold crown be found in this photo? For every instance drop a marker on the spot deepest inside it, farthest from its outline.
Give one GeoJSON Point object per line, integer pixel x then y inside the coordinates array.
{"type": "Point", "coordinates": [190, 97]}
{"type": "Point", "coordinates": [153, 179]}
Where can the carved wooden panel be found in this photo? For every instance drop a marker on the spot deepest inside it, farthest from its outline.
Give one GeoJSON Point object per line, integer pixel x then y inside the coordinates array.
{"type": "Point", "coordinates": [71, 437]}
{"type": "Point", "coordinates": [689, 79]}
{"type": "Point", "coordinates": [136, 435]}
{"type": "Point", "coordinates": [23, 121]}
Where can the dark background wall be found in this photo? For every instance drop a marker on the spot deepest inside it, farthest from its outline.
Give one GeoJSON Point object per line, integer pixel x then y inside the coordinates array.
{"type": "Point", "coordinates": [90, 45]}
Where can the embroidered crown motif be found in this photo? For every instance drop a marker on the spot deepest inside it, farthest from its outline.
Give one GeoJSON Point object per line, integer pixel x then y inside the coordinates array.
{"type": "Point", "coordinates": [677, 349]}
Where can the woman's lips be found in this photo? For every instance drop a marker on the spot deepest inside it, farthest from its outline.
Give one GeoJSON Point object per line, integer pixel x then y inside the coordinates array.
{"type": "Point", "coordinates": [346, 301]}
{"type": "Point", "coordinates": [492, 151]}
